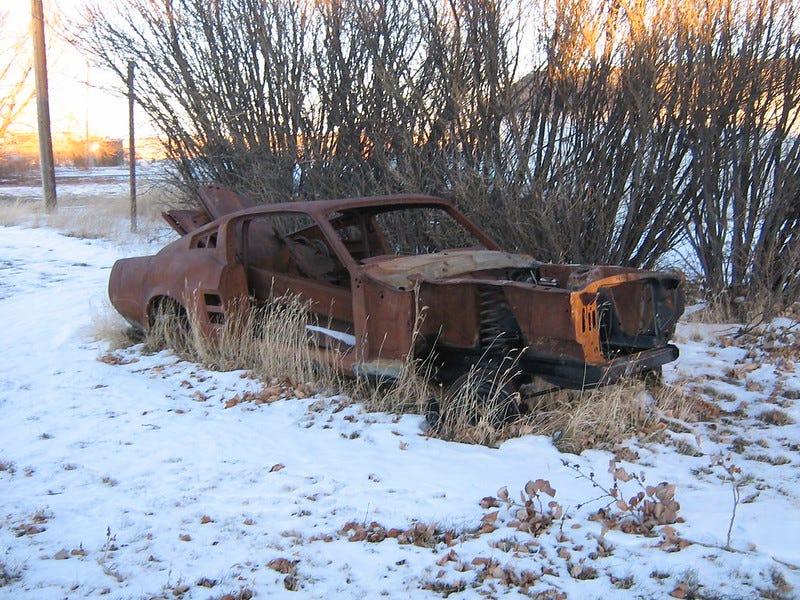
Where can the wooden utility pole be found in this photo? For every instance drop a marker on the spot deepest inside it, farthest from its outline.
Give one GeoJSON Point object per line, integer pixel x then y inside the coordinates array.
{"type": "Point", "coordinates": [43, 107]}
{"type": "Point", "coordinates": [132, 147]}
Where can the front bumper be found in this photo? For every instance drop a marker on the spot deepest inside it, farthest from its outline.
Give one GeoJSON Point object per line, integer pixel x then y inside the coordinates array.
{"type": "Point", "coordinates": [577, 375]}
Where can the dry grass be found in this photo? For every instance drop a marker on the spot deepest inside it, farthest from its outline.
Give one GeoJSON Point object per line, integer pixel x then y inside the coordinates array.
{"type": "Point", "coordinates": [271, 340]}
{"type": "Point", "coordinates": [169, 329]}
{"type": "Point", "coordinates": [86, 215]}
{"type": "Point", "coordinates": [409, 392]}
{"type": "Point", "coordinates": [108, 325]}
{"type": "Point", "coordinates": [19, 213]}
{"type": "Point", "coordinates": [775, 417]}
{"type": "Point", "coordinates": [714, 311]}
{"type": "Point", "coordinates": [479, 407]}
{"type": "Point", "coordinates": [604, 416]}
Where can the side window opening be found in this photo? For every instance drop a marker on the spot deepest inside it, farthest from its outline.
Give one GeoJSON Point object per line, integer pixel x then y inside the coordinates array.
{"type": "Point", "coordinates": [291, 244]}
{"type": "Point", "coordinates": [205, 240]}
{"type": "Point", "coordinates": [360, 234]}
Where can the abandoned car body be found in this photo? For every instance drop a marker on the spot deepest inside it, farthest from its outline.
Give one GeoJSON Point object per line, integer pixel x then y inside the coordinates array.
{"type": "Point", "coordinates": [369, 267]}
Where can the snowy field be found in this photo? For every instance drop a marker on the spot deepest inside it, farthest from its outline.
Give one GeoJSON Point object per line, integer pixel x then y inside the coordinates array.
{"type": "Point", "coordinates": [72, 182]}
{"type": "Point", "coordinates": [124, 475]}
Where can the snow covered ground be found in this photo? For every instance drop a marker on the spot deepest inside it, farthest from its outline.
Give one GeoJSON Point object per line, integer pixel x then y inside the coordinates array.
{"type": "Point", "coordinates": [124, 475]}
{"type": "Point", "coordinates": [111, 182]}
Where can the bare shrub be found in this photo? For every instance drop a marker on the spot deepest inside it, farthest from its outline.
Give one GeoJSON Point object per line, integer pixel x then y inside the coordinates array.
{"type": "Point", "coordinates": [530, 514]}
{"type": "Point", "coordinates": [628, 132]}
{"type": "Point", "coordinates": [16, 65]}
{"type": "Point", "coordinates": [640, 513]}
{"type": "Point", "coordinates": [744, 182]}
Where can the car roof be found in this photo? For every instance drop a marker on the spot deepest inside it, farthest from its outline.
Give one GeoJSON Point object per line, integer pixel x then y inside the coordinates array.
{"type": "Point", "coordinates": [320, 208]}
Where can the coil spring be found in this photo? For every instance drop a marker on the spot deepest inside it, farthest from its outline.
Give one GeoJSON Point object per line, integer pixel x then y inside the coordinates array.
{"type": "Point", "coordinates": [498, 328]}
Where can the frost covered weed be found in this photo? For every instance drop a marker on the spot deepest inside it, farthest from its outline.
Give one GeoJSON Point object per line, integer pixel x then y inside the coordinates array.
{"type": "Point", "coordinates": [732, 474]}
{"type": "Point", "coordinates": [20, 213]}
{"type": "Point", "coordinates": [9, 574]}
{"type": "Point", "coordinates": [775, 417]}
{"type": "Point", "coordinates": [780, 589]}
{"type": "Point", "coordinates": [533, 514]}
{"type": "Point", "coordinates": [107, 325]}
{"type": "Point", "coordinates": [530, 514]}
{"type": "Point", "coordinates": [423, 535]}
{"type": "Point", "coordinates": [532, 518]}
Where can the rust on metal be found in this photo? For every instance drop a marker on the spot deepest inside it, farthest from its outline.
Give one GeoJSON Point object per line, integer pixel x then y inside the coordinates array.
{"type": "Point", "coordinates": [368, 280]}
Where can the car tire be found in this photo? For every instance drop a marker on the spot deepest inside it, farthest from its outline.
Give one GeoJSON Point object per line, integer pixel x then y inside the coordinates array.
{"type": "Point", "coordinates": [478, 395]}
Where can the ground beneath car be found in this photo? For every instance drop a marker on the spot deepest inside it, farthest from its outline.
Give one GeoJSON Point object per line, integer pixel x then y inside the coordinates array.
{"type": "Point", "coordinates": [136, 476]}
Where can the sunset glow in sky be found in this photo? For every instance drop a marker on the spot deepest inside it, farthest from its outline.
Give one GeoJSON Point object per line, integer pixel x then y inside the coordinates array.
{"type": "Point", "coordinates": [81, 95]}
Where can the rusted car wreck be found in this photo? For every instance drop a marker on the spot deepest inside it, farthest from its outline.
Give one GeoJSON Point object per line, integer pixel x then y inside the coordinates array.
{"type": "Point", "coordinates": [370, 266]}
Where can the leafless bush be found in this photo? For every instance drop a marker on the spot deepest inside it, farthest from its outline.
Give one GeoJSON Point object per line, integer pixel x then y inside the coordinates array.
{"type": "Point", "coordinates": [15, 68]}
{"type": "Point", "coordinates": [627, 133]}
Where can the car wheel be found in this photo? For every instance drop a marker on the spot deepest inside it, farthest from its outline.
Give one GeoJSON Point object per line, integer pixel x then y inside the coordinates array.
{"type": "Point", "coordinates": [169, 322]}
{"type": "Point", "coordinates": [478, 395]}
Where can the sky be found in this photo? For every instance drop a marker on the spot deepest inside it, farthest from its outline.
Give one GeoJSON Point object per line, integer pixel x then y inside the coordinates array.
{"type": "Point", "coordinates": [80, 94]}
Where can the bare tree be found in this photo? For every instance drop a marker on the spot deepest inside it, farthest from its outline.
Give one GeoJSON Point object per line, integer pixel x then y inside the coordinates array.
{"type": "Point", "coordinates": [641, 126]}
{"type": "Point", "coordinates": [743, 75]}
{"type": "Point", "coordinates": [15, 69]}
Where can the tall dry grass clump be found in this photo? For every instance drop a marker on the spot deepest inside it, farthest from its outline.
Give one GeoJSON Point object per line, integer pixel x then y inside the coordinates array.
{"type": "Point", "coordinates": [107, 325]}
{"type": "Point", "coordinates": [602, 417]}
{"type": "Point", "coordinates": [479, 407]}
{"type": "Point", "coordinates": [271, 340]}
{"type": "Point", "coordinates": [409, 390]}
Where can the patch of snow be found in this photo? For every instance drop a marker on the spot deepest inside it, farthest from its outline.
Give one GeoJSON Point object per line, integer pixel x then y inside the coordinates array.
{"type": "Point", "coordinates": [348, 339]}
{"type": "Point", "coordinates": [127, 477]}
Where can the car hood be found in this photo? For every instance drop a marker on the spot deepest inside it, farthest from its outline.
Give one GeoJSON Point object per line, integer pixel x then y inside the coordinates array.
{"type": "Point", "coordinates": [405, 271]}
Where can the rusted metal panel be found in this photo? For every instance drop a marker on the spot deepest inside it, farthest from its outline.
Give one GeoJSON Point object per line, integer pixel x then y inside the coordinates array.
{"type": "Point", "coordinates": [185, 221]}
